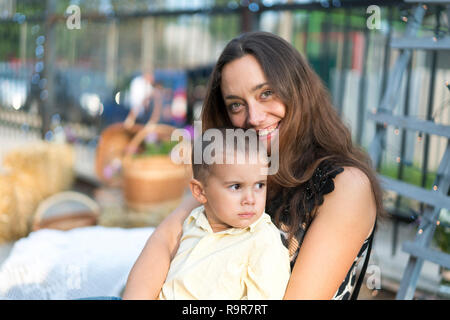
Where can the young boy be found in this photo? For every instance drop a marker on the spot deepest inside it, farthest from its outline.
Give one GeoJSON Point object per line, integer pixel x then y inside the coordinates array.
{"type": "Point", "coordinates": [229, 249]}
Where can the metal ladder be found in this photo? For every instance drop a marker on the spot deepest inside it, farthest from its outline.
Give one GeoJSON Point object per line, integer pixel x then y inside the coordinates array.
{"type": "Point", "coordinates": [419, 249]}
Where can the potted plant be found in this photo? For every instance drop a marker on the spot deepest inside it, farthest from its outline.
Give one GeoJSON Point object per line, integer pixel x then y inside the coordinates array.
{"type": "Point", "coordinates": [150, 177]}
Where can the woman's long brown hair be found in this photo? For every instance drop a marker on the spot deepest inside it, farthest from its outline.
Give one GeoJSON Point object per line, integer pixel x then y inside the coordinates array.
{"type": "Point", "coordinates": [311, 130]}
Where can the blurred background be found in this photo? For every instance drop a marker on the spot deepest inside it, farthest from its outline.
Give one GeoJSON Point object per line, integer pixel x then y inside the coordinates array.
{"type": "Point", "coordinates": [66, 69]}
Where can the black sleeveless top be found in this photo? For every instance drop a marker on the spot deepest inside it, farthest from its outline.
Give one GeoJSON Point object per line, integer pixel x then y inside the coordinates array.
{"type": "Point", "coordinates": [320, 184]}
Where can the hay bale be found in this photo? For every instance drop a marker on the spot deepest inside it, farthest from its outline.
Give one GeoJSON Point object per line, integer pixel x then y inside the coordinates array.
{"type": "Point", "coordinates": [11, 226]}
{"type": "Point", "coordinates": [61, 158]}
{"type": "Point", "coordinates": [50, 165]}
{"type": "Point", "coordinates": [27, 194]}
{"type": "Point", "coordinates": [34, 172]}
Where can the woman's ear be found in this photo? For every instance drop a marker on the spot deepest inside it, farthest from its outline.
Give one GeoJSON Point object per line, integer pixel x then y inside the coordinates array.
{"type": "Point", "coordinates": [198, 191]}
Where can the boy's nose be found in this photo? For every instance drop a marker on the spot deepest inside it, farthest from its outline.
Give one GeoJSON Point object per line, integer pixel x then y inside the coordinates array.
{"type": "Point", "coordinates": [249, 198]}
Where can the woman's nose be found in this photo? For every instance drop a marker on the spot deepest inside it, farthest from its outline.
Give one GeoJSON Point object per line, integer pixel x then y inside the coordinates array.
{"type": "Point", "coordinates": [256, 115]}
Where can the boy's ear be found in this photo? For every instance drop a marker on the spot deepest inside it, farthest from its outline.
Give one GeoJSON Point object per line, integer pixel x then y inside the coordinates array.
{"type": "Point", "coordinates": [197, 191]}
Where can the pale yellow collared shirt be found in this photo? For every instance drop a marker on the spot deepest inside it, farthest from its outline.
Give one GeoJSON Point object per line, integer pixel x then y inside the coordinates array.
{"type": "Point", "coordinates": [248, 263]}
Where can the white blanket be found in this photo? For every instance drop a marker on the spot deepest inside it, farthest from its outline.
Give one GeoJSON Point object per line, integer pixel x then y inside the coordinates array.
{"type": "Point", "coordinates": [79, 263]}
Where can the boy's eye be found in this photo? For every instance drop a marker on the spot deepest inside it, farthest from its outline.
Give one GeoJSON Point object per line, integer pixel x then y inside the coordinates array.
{"type": "Point", "coordinates": [260, 185]}
{"type": "Point", "coordinates": [234, 187]}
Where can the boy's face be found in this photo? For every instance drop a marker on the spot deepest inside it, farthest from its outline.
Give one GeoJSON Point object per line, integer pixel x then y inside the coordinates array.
{"type": "Point", "coordinates": [235, 195]}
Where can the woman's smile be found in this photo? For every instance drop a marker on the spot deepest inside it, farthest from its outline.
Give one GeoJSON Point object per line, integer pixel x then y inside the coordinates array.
{"type": "Point", "coordinates": [267, 132]}
{"type": "Point", "coordinates": [251, 101]}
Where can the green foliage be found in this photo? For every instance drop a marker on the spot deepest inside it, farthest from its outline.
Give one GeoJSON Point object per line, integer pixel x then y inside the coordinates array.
{"type": "Point", "coordinates": [411, 174]}
{"type": "Point", "coordinates": [31, 8]}
{"type": "Point", "coordinates": [442, 237]}
{"type": "Point", "coordinates": [442, 233]}
{"type": "Point", "coordinates": [157, 148]}
{"type": "Point", "coordinates": [9, 33]}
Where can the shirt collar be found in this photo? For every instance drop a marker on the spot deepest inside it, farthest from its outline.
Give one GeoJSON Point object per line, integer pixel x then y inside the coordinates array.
{"type": "Point", "coordinates": [199, 216]}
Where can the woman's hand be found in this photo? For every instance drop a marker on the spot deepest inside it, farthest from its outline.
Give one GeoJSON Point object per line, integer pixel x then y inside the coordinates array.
{"type": "Point", "coordinates": [148, 274]}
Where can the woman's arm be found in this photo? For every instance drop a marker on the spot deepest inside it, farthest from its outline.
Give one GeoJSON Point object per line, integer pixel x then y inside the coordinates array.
{"type": "Point", "coordinates": [149, 271]}
{"type": "Point", "coordinates": [334, 238]}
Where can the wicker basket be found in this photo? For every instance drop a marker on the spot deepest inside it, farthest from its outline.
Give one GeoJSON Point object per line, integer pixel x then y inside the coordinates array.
{"type": "Point", "coordinates": [152, 179]}
{"type": "Point", "coordinates": [110, 151]}
{"type": "Point", "coordinates": [65, 211]}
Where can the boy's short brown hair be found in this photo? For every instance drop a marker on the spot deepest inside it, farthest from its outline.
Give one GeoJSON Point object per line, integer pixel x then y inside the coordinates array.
{"type": "Point", "coordinates": [202, 170]}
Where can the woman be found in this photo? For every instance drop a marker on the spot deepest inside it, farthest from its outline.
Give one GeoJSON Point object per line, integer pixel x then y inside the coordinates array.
{"type": "Point", "coordinates": [325, 197]}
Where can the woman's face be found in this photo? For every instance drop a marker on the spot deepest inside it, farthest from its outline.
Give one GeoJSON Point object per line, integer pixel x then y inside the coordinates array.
{"type": "Point", "coordinates": [250, 101]}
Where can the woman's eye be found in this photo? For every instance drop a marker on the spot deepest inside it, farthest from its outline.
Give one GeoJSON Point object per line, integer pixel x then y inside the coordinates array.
{"type": "Point", "coordinates": [234, 107]}
{"type": "Point", "coordinates": [266, 94]}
